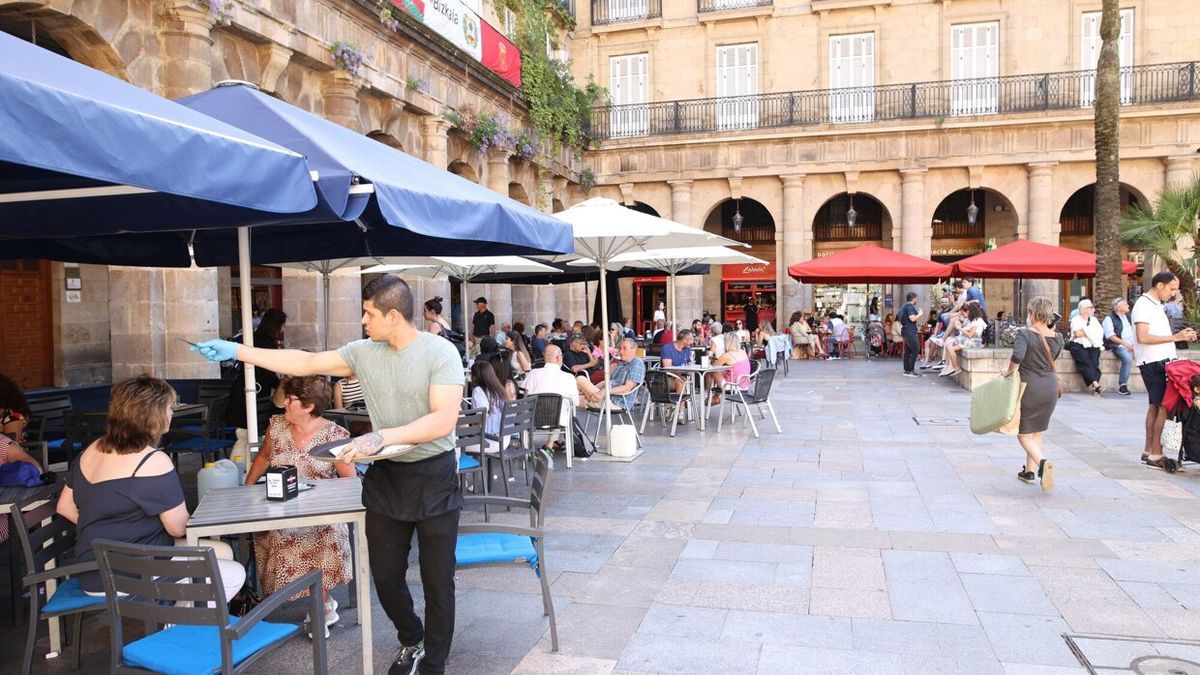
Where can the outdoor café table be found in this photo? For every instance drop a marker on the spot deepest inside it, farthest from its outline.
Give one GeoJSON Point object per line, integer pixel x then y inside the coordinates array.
{"type": "Point", "coordinates": [10, 495]}
{"type": "Point", "coordinates": [329, 502]}
{"type": "Point", "coordinates": [345, 416]}
{"type": "Point", "coordinates": [699, 398]}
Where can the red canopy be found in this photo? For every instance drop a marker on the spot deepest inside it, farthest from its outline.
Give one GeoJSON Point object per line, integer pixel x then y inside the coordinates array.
{"type": "Point", "coordinates": [1025, 259]}
{"type": "Point", "coordinates": [869, 264]}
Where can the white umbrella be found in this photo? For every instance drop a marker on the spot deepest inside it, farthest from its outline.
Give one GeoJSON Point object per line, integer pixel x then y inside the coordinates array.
{"type": "Point", "coordinates": [604, 229]}
{"type": "Point", "coordinates": [465, 268]}
{"type": "Point", "coordinates": [675, 260]}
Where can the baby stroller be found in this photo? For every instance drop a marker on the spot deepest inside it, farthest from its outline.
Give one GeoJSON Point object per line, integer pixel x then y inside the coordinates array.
{"type": "Point", "coordinates": [1180, 401]}
{"type": "Point", "coordinates": [874, 339]}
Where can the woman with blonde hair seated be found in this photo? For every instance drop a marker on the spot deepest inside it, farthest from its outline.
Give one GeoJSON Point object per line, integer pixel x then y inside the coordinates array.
{"type": "Point", "coordinates": [285, 555]}
{"type": "Point", "coordinates": [124, 488]}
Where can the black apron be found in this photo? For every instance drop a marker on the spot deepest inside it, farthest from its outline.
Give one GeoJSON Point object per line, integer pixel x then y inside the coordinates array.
{"type": "Point", "coordinates": [413, 491]}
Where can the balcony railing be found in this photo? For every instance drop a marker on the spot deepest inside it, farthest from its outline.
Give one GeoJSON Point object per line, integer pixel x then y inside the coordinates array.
{"type": "Point", "coordinates": [618, 11]}
{"type": "Point", "coordinates": [989, 96]}
{"type": "Point", "coordinates": [724, 5]}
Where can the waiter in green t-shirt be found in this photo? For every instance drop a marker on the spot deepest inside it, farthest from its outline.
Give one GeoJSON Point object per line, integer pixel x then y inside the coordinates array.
{"type": "Point", "coordinates": [412, 381]}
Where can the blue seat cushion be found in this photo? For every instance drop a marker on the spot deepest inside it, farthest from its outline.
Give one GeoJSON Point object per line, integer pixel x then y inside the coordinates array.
{"type": "Point", "coordinates": [494, 547]}
{"type": "Point", "coordinates": [467, 462]}
{"type": "Point", "coordinates": [69, 596]}
{"type": "Point", "coordinates": [196, 650]}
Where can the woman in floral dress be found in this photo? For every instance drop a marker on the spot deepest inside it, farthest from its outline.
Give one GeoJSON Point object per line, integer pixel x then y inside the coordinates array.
{"type": "Point", "coordinates": [284, 555]}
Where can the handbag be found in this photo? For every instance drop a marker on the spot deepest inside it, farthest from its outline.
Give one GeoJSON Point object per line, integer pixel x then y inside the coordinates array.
{"type": "Point", "coordinates": [995, 403]}
{"type": "Point", "coordinates": [1050, 359]}
{"type": "Point", "coordinates": [1172, 435]}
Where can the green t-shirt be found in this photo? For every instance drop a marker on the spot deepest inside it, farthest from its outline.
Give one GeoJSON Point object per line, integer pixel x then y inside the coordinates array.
{"type": "Point", "coordinates": [395, 384]}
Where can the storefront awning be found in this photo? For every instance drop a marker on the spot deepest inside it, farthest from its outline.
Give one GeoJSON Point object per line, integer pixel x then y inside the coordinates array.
{"type": "Point", "coordinates": [1025, 259]}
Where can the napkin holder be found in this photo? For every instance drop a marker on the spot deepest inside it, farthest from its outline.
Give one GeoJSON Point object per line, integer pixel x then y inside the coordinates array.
{"type": "Point", "coordinates": [283, 483]}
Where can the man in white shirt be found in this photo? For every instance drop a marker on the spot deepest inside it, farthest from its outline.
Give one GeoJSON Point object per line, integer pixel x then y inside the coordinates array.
{"type": "Point", "coordinates": [1154, 346]}
{"type": "Point", "coordinates": [839, 333]}
{"type": "Point", "coordinates": [716, 343]}
{"type": "Point", "coordinates": [552, 379]}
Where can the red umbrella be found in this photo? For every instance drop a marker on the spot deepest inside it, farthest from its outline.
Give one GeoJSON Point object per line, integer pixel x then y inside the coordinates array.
{"type": "Point", "coordinates": [1025, 259]}
{"type": "Point", "coordinates": [869, 264]}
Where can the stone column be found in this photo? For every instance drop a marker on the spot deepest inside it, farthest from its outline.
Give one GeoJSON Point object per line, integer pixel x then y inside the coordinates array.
{"type": "Point", "coordinates": [499, 295]}
{"type": "Point", "coordinates": [340, 92]}
{"type": "Point", "coordinates": [1043, 227]}
{"type": "Point", "coordinates": [689, 291]}
{"type": "Point", "coordinates": [188, 47]}
{"type": "Point", "coordinates": [1179, 170]}
{"type": "Point", "coordinates": [797, 240]}
{"type": "Point", "coordinates": [915, 231]}
{"type": "Point", "coordinates": [434, 130]}
{"type": "Point", "coordinates": [146, 306]}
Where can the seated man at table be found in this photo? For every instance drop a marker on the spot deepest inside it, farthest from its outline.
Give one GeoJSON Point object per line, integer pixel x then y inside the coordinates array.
{"type": "Point", "coordinates": [552, 379]}
{"type": "Point", "coordinates": [678, 354]}
{"type": "Point", "coordinates": [579, 358]}
{"type": "Point", "coordinates": [622, 384]}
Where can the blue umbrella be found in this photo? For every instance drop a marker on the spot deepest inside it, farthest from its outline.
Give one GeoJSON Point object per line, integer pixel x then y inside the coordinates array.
{"type": "Point", "coordinates": [83, 153]}
{"type": "Point", "coordinates": [386, 202]}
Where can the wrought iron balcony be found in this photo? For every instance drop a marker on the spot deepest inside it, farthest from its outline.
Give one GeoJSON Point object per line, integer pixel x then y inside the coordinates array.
{"type": "Point", "coordinates": [1140, 85]}
{"type": "Point", "coordinates": [619, 11]}
{"type": "Point", "coordinates": [725, 5]}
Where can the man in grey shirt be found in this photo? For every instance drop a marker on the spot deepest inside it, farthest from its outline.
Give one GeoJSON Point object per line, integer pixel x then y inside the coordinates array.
{"type": "Point", "coordinates": [412, 382]}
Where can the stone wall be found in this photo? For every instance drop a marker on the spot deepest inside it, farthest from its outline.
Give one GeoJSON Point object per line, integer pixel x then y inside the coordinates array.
{"type": "Point", "coordinates": [81, 330]}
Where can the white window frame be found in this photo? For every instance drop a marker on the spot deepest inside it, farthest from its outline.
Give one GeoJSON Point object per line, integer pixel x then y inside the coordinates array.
{"type": "Point", "coordinates": [510, 23]}
{"type": "Point", "coordinates": [629, 87]}
{"type": "Point", "coordinates": [852, 77]}
{"type": "Point", "coordinates": [628, 10]}
{"type": "Point", "coordinates": [737, 86]}
{"type": "Point", "coordinates": [975, 68]}
{"type": "Point", "coordinates": [1089, 53]}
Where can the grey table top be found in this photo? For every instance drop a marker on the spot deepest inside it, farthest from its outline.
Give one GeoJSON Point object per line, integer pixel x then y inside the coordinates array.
{"type": "Point", "coordinates": [13, 494]}
{"type": "Point", "coordinates": [697, 369]}
{"type": "Point", "coordinates": [249, 503]}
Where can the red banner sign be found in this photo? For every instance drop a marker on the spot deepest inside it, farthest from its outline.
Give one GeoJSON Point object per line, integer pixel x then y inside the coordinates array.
{"type": "Point", "coordinates": [748, 272]}
{"type": "Point", "coordinates": [467, 31]}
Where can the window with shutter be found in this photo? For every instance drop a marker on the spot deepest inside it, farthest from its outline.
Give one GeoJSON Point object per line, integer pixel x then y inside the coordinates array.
{"type": "Point", "coordinates": [1089, 56]}
{"type": "Point", "coordinates": [974, 68]}
{"type": "Point", "coordinates": [629, 86]}
{"type": "Point", "coordinates": [852, 78]}
{"type": "Point", "coordinates": [737, 86]}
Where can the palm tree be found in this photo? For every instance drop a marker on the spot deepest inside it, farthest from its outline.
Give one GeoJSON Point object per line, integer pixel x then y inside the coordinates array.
{"type": "Point", "coordinates": [1108, 282]}
{"type": "Point", "coordinates": [1169, 231]}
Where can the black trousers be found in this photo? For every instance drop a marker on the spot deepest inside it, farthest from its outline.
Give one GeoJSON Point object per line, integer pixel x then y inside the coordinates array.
{"type": "Point", "coordinates": [1087, 362]}
{"type": "Point", "coordinates": [391, 541]}
{"type": "Point", "coordinates": [911, 347]}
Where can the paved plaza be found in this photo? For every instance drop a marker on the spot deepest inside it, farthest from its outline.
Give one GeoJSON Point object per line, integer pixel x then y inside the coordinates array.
{"type": "Point", "coordinates": [875, 535]}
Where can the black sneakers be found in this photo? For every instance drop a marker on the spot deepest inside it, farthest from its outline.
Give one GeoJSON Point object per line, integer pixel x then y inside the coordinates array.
{"type": "Point", "coordinates": [1124, 391]}
{"type": "Point", "coordinates": [408, 660]}
{"type": "Point", "coordinates": [1027, 476]}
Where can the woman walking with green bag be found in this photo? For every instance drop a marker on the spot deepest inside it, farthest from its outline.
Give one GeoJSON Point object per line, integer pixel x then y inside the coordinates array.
{"type": "Point", "coordinates": [1034, 350]}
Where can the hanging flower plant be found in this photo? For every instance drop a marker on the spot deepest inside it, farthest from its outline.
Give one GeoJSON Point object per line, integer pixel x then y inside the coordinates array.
{"type": "Point", "coordinates": [221, 10]}
{"type": "Point", "coordinates": [484, 130]}
{"type": "Point", "coordinates": [587, 180]}
{"type": "Point", "coordinates": [525, 146]}
{"type": "Point", "coordinates": [347, 56]}
{"type": "Point", "coordinates": [388, 19]}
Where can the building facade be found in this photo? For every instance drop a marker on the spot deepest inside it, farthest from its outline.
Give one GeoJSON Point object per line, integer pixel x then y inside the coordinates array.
{"type": "Point", "coordinates": [910, 113]}
{"type": "Point", "coordinates": [115, 321]}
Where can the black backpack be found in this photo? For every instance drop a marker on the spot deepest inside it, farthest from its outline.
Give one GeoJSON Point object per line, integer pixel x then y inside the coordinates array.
{"type": "Point", "coordinates": [584, 447]}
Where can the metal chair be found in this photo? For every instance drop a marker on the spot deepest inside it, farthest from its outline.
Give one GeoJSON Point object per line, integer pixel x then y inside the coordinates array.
{"type": "Point", "coordinates": [48, 540]}
{"type": "Point", "coordinates": [627, 415]}
{"type": "Point", "coordinates": [547, 417]}
{"type": "Point", "coordinates": [46, 427]}
{"type": "Point", "coordinates": [471, 443]}
{"type": "Point", "coordinates": [516, 429]}
{"type": "Point", "coordinates": [661, 386]}
{"type": "Point", "coordinates": [493, 544]}
{"type": "Point", "coordinates": [758, 395]}
{"type": "Point", "coordinates": [201, 635]}
{"type": "Point", "coordinates": [80, 429]}
{"type": "Point", "coordinates": [202, 432]}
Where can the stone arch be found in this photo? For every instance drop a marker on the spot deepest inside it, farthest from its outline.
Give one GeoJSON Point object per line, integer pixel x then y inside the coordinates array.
{"type": "Point", "coordinates": [1127, 190]}
{"type": "Point", "coordinates": [758, 224]}
{"type": "Point", "coordinates": [643, 207]}
{"type": "Point", "coordinates": [461, 168]}
{"type": "Point", "coordinates": [65, 34]}
{"type": "Point", "coordinates": [517, 191]}
{"type": "Point", "coordinates": [386, 138]}
{"type": "Point", "coordinates": [873, 221]}
{"type": "Point", "coordinates": [1076, 215]}
{"type": "Point", "coordinates": [557, 205]}
{"type": "Point", "coordinates": [956, 237]}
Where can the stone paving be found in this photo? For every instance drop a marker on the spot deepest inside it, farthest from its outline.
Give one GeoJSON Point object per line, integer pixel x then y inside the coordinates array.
{"type": "Point", "coordinates": [875, 535]}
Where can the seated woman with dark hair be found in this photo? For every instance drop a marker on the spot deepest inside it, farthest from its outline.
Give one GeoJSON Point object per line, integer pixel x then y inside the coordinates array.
{"type": "Point", "coordinates": [124, 488]}
{"type": "Point", "coordinates": [285, 555]}
{"type": "Point", "coordinates": [14, 417]}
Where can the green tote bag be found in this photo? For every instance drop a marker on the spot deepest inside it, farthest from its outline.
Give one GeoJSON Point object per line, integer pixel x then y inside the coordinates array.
{"type": "Point", "coordinates": [994, 403]}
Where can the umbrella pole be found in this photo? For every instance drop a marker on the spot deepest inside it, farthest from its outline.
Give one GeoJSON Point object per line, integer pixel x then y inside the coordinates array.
{"type": "Point", "coordinates": [466, 331]}
{"type": "Point", "coordinates": [247, 332]}
{"type": "Point", "coordinates": [671, 279]}
{"type": "Point", "coordinates": [604, 337]}
{"type": "Point", "coordinates": [325, 324]}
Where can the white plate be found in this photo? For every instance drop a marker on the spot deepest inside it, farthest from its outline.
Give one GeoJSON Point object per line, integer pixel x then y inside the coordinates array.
{"type": "Point", "coordinates": [328, 452]}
